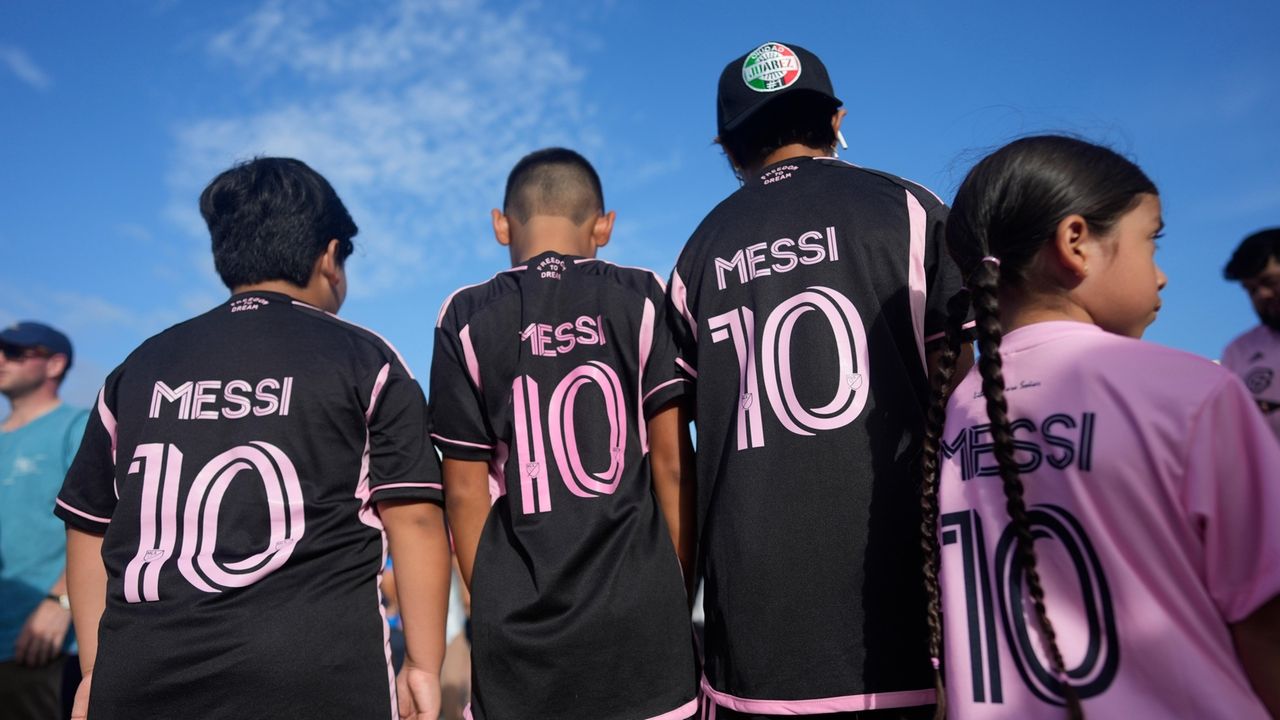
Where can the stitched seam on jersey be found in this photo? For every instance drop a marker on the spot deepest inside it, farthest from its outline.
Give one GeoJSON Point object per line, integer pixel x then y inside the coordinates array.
{"type": "Point", "coordinates": [444, 307]}
{"type": "Point", "coordinates": [662, 285]}
{"type": "Point", "coordinates": [326, 315]}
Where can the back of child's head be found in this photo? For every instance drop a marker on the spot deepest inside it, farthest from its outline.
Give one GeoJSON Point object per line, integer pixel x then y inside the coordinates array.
{"type": "Point", "coordinates": [270, 219]}
{"type": "Point", "coordinates": [1006, 211]}
{"type": "Point", "coordinates": [799, 118]}
{"type": "Point", "coordinates": [555, 182]}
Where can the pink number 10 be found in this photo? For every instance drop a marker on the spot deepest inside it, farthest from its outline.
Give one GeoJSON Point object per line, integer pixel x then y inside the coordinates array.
{"type": "Point", "coordinates": [531, 441]}
{"type": "Point", "coordinates": [739, 326]}
{"type": "Point", "coordinates": [158, 537]}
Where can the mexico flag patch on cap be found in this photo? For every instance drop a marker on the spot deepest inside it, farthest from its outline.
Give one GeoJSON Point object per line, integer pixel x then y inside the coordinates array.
{"type": "Point", "coordinates": [771, 67]}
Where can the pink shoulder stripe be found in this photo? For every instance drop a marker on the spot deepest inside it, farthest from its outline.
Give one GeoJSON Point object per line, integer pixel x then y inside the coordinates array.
{"type": "Point", "coordinates": [917, 290]}
{"type": "Point", "coordinates": [372, 332]}
{"type": "Point", "coordinates": [108, 420]}
{"type": "Point", "coordinates": [81, 513]}
{"type": "Point", "coordinates": [444, 307]}
{"type": "Point", "coordinates": [680, 298]}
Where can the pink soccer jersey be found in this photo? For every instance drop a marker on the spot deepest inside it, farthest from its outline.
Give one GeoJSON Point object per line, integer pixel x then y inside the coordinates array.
{"type": "Point", "coordinates": [1150, 484]}
{"type": "Point", "coordinates": [1255, 357]}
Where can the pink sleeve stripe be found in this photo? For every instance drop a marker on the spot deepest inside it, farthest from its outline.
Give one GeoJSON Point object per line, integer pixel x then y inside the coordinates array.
{"type": "Point", "coordinates": [469, 354]}
{"type": "Point", "coordinates": [917, 290]}
{"type": "Point", "coordinates": [396, 486]}
{"type": "Point", "coordinates": [81, 513]}
{"type": "Point", "coordinates": [649, 394]}
{"type": "Point", "coordinates": [108, 420]}
{"type": "Point", "coordinates": [463, 443]}
{"type": "Point", "coordinates": [687, 368]}
{"type": "Point", "coordinates": [844, 703]}
{"type": "Point", "coordinates": [684, 711]}
{"type": "Point", "coordinates": [374, 333]}
{"type": "Point", "coordinates": [377, 390]}
{"type": "Point", "coordinates": [444, 307]}
{"type": "Point", "coordinates": [680, 298]}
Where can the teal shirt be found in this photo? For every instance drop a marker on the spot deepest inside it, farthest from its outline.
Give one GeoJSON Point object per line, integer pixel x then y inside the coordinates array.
{"type": "Point", "coordinates": [33, 543]}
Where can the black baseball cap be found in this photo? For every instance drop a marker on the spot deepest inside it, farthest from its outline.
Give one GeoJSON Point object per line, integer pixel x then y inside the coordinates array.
{"type": "Point", "coordinates": [770, 71]}
{"type": "Point", "coordinates": [29, 334]}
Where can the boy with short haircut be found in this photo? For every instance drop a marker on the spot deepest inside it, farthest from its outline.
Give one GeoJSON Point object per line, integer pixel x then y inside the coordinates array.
{"type": "Point", "coordinates": [554, 397]}
{"type": "Point", "coordinates": [1255, 354]}
{"type": "Point", "coordinates": [807, 304]}
{"type": "Point", "coordinates": [239, 482]}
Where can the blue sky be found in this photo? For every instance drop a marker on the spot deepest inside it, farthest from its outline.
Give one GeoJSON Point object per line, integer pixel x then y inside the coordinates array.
{"type": "Point", "coordinates": [117, 114]}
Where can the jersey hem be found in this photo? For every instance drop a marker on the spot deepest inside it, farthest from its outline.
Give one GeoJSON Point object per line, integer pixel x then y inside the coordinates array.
{"type": "Point", "coordinates": [815, 706]}
{"type": "Point", "coordinates": [680, 713]}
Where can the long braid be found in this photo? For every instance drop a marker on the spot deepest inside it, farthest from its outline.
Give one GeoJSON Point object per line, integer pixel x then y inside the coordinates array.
{"type": "Point", "coordinates": [983, 285]}
{"type": "Point", "coordinates": [935, 419]}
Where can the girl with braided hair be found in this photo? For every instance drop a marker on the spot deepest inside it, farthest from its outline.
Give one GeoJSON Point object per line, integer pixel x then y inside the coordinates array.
{"type": "Point", "coordinates": [1099, 511]}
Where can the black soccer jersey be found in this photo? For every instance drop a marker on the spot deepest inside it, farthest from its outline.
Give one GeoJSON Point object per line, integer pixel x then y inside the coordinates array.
{"type": "Point", "coordinates": [805, 301]}
{"type": "Point", "coordinates": [233, 463]}
{"type": "Point", "coordinates": [549, 372]}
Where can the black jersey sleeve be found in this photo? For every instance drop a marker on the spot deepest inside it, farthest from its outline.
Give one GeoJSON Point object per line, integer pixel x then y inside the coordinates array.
{"type": "Point", "coordinates": [458, 422]}
{"type": "Point", "coordinates": [664, 379]}
{"type": "Point", "coordinates": [683, 335]}
{"type": "Point", "coordinates": [88, 498]}
{"type": "Point", "coordinates": [402, 461]}
{"type": "Point", "coordinates": [944, 280]}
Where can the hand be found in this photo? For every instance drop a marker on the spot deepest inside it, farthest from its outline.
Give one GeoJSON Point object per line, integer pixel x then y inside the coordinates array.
{"type": "Point", "coordinates": [80, 708]}
{"type": "Point", "coordinates": [40, 641]}
{"type": "Point", "coordinates": [419, 692]}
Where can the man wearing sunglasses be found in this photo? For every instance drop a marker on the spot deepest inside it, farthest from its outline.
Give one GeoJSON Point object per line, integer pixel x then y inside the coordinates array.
{"type": "Point", "coordinates": [38, 439]}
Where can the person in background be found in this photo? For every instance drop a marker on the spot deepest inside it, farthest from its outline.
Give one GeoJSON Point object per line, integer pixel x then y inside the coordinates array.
{"type": "Point", "coordinates": [38, 439]}
{"type": "Point", "coordinates": [1255, 355]}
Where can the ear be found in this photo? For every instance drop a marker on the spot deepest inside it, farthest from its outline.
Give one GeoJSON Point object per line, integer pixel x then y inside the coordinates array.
{"type": "Point", "coordinates": [836, 120]}
{"type": "Point", "coordinates": [55, 366]}
{"type": "Point", "coordinates": [501, 227]}
{"type": "Point", "coordinates": [603, 228]}
{"type": "Point", "coordinates": [733, 162]}
{"type": "Point", "coordinates": [1073, 246]}
{"type": "Point", "coordinates": [328, 265]}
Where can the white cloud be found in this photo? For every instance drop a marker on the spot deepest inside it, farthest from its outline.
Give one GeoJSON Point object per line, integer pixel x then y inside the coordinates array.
{"type": "Point", "coordinates": [415, 112]}
{"type": "Point", "coordinates": [24, 68]}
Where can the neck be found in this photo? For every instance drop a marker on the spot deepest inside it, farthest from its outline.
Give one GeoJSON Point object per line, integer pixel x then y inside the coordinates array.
{"type": "Point", "coordinates": [1016, 312]}
{"type": "Point", "coordinates": [312, 294]}
{"type": "Point", "coordinates": [550, 234]}
{"type": "Point", "coordinates": [28, 407]}
{"type": "Point", "coordinates": [794, 150]}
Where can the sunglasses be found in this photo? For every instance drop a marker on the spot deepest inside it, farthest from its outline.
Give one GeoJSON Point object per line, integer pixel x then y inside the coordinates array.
{"type": "Point", "coordinates": [13, 353]}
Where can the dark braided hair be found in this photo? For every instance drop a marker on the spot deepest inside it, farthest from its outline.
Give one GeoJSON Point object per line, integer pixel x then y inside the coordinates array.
{"type": "Point", "coordinates": [935, 417]}
{"type": "Point", "coordinates": [1006, 210]}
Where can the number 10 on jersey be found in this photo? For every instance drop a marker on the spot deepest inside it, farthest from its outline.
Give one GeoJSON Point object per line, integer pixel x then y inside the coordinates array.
{"type": "Point", "coordinates": [851, 384]}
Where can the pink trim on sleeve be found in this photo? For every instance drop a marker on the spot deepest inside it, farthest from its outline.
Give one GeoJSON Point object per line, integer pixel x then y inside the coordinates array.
{"type": "Point", "coordinates": [463, 443]}
{"type": "Point", "coordinates": [680, 298]}
{"type": "Point", "coordinates": [646, 346]}
{"type": "Point", "coordinates": [651, 392]}
{"type": "Point", "coordinates": [81, 513]}
{"type": "Point", "coordinates": [378, 384]}
{"type": "Point", "coordinates": [395, 486]}
{"type": "Point", "coordinates": [916, 282]}
{"type": "Point", "coordinates": [469, 355]}
{"type": "Point", "coordinates": [687, 368]}
{"type": "Point", "coordinates": [845, 703]}
{"type": "Point", "coordinates": [108, 421]}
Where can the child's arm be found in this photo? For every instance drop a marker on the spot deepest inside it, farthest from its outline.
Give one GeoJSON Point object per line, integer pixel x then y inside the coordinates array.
{"type": "Point", "coordinates": [420, 555]}
{"type": "Point", "coordinates": [1258, 645]}
{"type": "Point", "coordinates": [87, 591]}
{"type": "Point", "coordinates": [674, 481]}
{"type": "Point", "coordinates": [466, 493]}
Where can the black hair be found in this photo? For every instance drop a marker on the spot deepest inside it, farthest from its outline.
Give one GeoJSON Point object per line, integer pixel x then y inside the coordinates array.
{"type": "Point", "coordinates": [1008, 207]}
{"type": "Point", "coordinates": [553, 181]}
{"type": "Point", "coordinates": [270, 218]}
{"type": "Point", "coordinates": [1252, 255]}
{"type": "Point", "coordinates": [798, 117]}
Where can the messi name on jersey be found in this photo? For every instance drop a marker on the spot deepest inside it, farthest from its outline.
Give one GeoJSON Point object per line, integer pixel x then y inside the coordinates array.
{"type": "Point", "coordinates": [780, 256]}
{"type": "Point", "coordinates": [586, 330]}
{"type": "Point", "coordinates": [213, 399]}
{"type": "Point", "coordinates": [1061, 440]}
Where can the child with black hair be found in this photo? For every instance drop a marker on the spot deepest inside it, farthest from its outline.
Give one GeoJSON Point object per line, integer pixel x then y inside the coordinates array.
{"type": "Point", "coordinates": [567, 466]}
{"type": "Point", "coordinates": [240, 482]}
{"type": "Point", "coordinates": [1145, 473]}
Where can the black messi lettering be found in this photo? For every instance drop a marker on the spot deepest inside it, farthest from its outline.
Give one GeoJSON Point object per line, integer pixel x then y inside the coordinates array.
{"type": "Point", "coordinates": [1051, 441]}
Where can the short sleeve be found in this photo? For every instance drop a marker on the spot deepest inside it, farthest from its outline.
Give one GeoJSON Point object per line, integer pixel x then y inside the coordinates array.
{"type": "Point", "coordinates": [684, 329]}
{"type": "Point", "coordinates": [458, 423]}
{"type": "Point", "coordinates": [663, 380]}
{"type": "Point", "coordinates": [402, 461]}
{"type": "Point", "coordinates": [1233, 497]}
{"type": "Point", "coordinates": [88, 498]}
{"type": "Point", "coordinates": [943, 276]}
